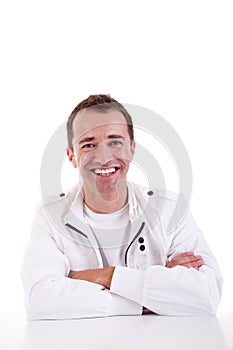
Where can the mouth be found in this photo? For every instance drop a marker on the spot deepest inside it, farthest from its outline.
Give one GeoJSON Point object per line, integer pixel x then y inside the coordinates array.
{"type": "Point", "coordinates": [103, 172]}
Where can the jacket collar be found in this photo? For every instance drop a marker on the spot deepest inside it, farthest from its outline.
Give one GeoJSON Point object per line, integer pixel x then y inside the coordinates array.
{"type": "Point", "coordinates": [75, 203]}
{"type": "Point", "coordinates": [74, 215]}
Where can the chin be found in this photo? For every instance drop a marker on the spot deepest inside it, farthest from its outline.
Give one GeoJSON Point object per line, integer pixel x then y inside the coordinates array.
{"type": "Point", "coordinates": [106, 189]}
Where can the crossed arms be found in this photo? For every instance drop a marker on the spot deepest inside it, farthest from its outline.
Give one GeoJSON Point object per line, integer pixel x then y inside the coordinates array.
{"type": "Point", "coordinates": [187, 285]}
{"type": "Point", "coordinates": [103, 276]}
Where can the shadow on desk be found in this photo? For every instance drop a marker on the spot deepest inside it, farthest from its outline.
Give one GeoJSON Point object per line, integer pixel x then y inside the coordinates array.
{"type": "Point", "coordinates": [126, 332]}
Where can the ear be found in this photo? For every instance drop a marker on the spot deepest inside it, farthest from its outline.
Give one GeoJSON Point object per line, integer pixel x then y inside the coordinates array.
{"type": "Point", "coordinates": [71, 157]}
{"type": "Point", "coordinates": [132, 150]}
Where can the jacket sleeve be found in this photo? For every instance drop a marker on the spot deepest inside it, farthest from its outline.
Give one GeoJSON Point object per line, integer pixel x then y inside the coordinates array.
{"type": "Point", "coordinates": [177, 291]}
{"type": "Point", "coordinates": [51, 294]}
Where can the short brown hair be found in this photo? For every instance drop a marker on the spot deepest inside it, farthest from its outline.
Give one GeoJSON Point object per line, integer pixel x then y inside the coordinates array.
{"type": "Point", "coordinates": [100, 103]}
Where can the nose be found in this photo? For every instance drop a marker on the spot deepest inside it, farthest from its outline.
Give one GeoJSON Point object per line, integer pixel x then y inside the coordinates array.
{"type": "Point", "coordinates": [103, 153]}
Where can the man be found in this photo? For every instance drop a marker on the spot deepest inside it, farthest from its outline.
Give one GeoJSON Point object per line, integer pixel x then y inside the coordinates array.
{"type": "Point", "coordinates": [104, 248]}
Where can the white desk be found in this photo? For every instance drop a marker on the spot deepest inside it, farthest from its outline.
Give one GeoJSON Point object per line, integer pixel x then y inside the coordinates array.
{"type": "Point", "coordinates": [127, 332]}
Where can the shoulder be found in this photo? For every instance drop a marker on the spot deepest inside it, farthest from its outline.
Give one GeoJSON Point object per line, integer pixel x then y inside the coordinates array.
{"type": "Point", "coordinates": [163, 201]}
{"type": "Point", "coordinates": [155, 193]}
{"type": "Point", "coordinates": [53, 199]}
{"type": "Point", "coordinates": [171, 207]}
{"type": "Point", "coordinates": [57, 201]}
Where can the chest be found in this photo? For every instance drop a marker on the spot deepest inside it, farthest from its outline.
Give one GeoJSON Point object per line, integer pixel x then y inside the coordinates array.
{"type": "Point", "coordinates": [146, 250]}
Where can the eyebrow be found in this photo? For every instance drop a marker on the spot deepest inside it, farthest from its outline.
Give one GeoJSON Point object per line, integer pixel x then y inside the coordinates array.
{"type": "Point", "coordinates": [116, 137]}
{"type": "Point", "coordinates": [87, 139]}
{"type": "Point", "coordinates": [92, 138]}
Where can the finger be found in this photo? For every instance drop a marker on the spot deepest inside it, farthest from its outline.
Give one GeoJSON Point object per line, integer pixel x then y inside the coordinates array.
{"type": "Point", "coordinates": [186, 259]}
{"type": "Point", "coordinates": [196, 264]}
{"type": "Point", "coordinates": [183, 255]}
{"type": "Point", "coordinates": [192, 259]}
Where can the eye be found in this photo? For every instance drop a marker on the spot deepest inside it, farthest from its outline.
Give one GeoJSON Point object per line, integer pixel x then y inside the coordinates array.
{"type": "Point", "coordinates": [88, 145]}
{"type": "Point", "coordinates": [115, 143]}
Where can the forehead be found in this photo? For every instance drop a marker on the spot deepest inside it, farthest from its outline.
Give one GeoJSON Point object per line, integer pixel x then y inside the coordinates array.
{"type": "Point", "coordinates": [93, 123]}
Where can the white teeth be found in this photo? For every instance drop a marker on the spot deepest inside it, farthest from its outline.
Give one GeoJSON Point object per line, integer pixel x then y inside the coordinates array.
{"type": "Point", "coordinates": [105, 171]}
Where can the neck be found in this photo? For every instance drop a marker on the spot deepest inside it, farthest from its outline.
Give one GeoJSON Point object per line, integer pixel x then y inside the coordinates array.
{"type": "Point", "coordinates": [106, 203]}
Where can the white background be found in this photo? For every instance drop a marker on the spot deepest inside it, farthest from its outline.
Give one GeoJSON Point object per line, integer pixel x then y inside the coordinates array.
{"type": "Point", "coordinates": [173, 57]}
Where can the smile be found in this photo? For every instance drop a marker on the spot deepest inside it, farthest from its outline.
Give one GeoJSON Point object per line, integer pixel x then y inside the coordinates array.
{"type": "Point", "coordinates": [105, 172]}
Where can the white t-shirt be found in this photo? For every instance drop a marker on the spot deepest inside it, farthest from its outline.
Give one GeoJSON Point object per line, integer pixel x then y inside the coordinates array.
{"type": "Point", "coordinates": [111, 232]}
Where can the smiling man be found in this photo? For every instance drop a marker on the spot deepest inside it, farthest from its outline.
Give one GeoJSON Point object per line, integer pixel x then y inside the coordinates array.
{"type": "Point", "coordinates": [100, 146]}
{"type": "Point", "coordinates": [104, 248]}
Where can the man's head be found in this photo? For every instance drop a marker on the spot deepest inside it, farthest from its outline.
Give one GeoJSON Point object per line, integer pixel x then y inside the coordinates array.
{"type": "Point", "coordinates": [101, 143]}
{"type": "Point", "coordinates": [101, 103]}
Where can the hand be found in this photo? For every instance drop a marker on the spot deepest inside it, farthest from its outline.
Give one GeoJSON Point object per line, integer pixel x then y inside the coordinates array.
{"type": "Point", "coordinates": [188, 259]}
{"type": "Point", "coordinates": [101, 276]}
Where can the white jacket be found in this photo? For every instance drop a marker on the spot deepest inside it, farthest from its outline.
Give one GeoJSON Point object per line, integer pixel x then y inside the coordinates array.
{"type": "Point", "coordinates": [61, 242]}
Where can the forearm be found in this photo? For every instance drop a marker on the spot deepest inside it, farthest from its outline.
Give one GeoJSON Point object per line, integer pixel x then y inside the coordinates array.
{"type": "Point", "coordinates": [173, 292]}
{"type": "Point", "coordinates": [64, 298]}
{"type": "Point", "coordinates": [102, 276]}
{"type": "Point", "coordinates": [50, 294]}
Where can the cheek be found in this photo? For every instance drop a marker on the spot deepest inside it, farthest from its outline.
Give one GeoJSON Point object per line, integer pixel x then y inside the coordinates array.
{"type": "Point", "coordinates": [125, 154]}
{"type": "Point", "coordinates": [83, 159]}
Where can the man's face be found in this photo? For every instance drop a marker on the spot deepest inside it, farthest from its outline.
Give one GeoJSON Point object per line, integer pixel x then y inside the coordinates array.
{"type": "Point", "coordinates": [102, 150]}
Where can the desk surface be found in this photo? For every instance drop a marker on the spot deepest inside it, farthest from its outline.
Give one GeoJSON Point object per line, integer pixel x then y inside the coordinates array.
{"type": "Point", "coordinates": [126, 332]}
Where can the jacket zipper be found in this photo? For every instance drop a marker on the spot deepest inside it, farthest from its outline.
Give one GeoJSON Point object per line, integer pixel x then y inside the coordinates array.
{"type": "Point", "coordinates": [126, 252]}
{"type": "Point", "coordinates": [133, 240]}
{"type": "Point", "coordinates": [75, 229]}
